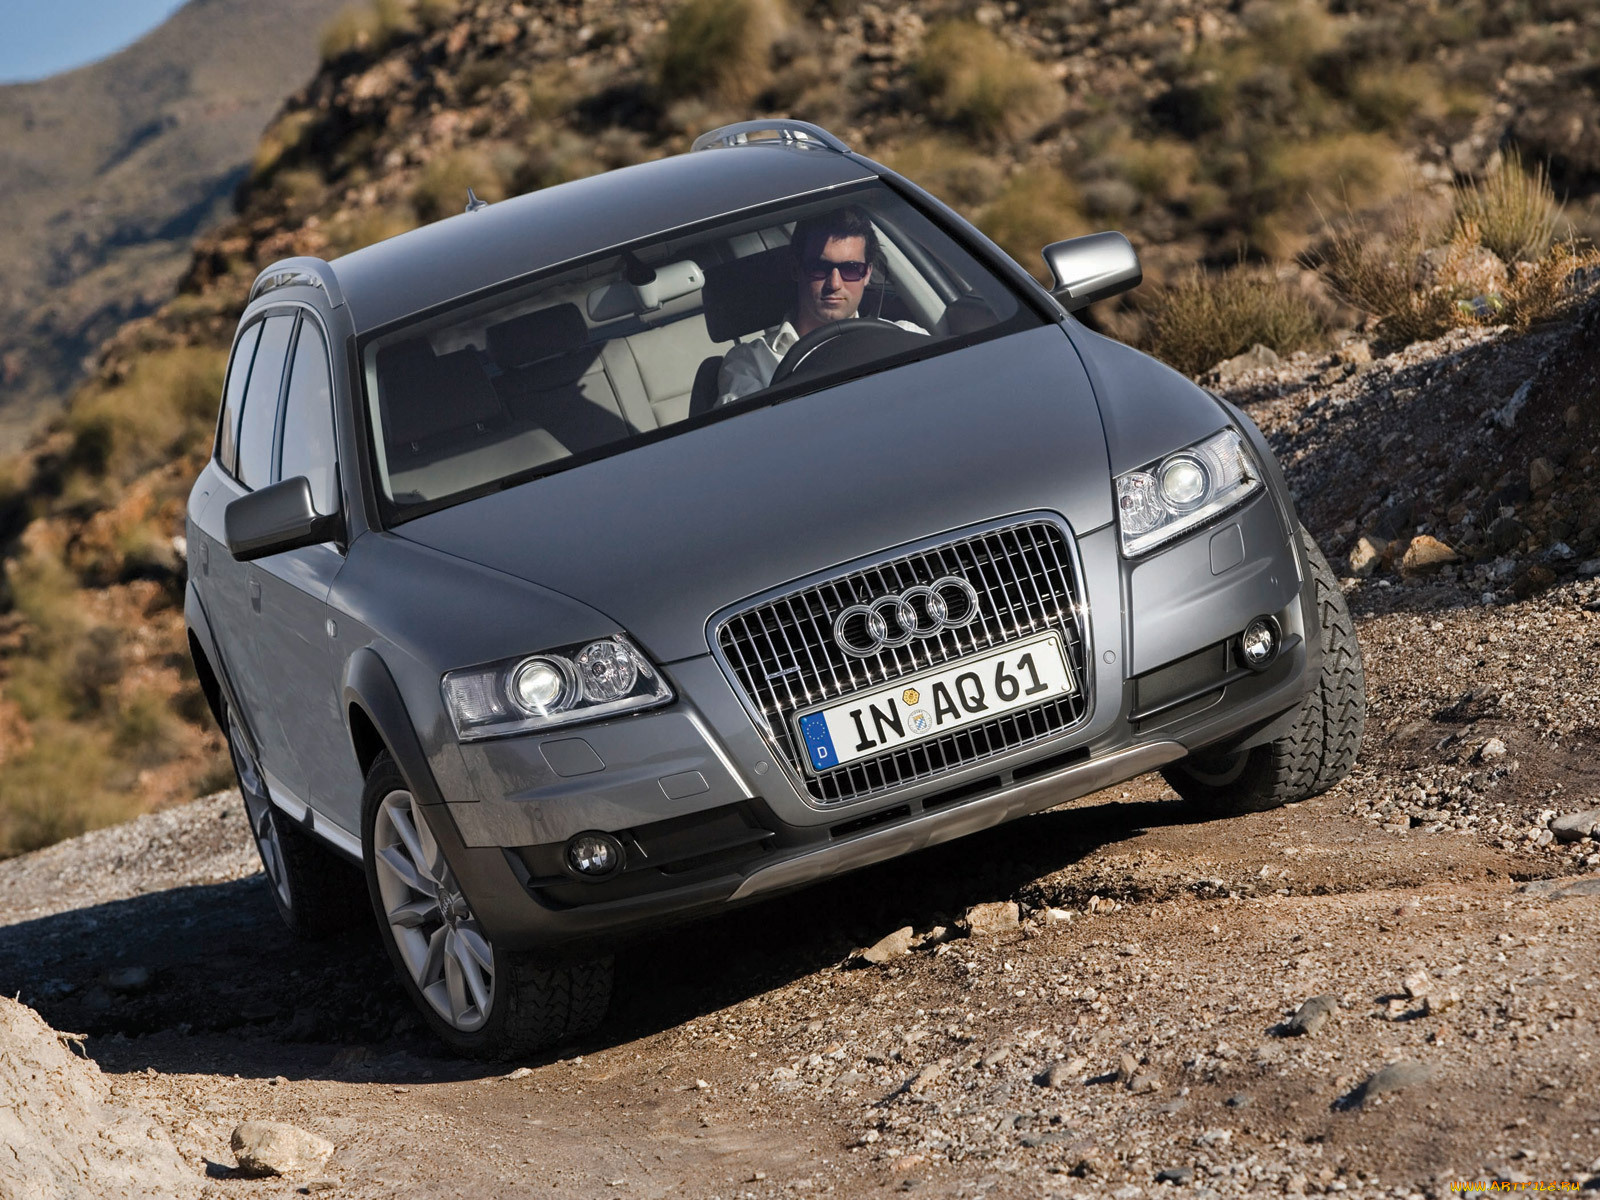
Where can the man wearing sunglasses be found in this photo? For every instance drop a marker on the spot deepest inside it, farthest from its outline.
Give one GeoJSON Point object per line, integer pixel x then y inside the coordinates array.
{"type": "Point", "coordinates": [834, 253]}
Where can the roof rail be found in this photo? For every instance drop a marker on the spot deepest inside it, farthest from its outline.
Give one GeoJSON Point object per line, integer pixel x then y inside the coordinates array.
{"type": "Point", "coordinates": [775, 129]}
{"type": "Point", "coordinates": [302, 272]}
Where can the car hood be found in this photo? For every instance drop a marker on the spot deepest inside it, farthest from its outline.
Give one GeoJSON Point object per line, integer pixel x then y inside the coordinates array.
{"type": "Point", "coordinates": [662, 536]}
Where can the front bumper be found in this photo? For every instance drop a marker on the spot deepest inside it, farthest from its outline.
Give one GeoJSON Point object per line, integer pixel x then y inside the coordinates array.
{"type": "Point", "coordinates": [712, 815]}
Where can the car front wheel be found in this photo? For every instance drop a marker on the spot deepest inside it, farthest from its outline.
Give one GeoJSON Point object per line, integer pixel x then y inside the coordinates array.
{"type": "Point", "coordinates": [481, 999]}
{"type": "Point", "coordinates": [1319, 750]}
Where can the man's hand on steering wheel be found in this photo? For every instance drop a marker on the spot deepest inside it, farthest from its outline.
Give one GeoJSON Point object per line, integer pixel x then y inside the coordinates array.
{"type": "Point", "coordinates": [870, 337]}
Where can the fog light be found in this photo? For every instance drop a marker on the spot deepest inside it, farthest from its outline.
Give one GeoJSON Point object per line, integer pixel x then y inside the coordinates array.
{"type": "Point", "coordinates": [594, 855]}
{"type": "Point", "coordinates": [1258, 644]}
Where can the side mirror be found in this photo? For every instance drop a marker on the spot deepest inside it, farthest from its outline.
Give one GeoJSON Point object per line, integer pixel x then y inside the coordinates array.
{"type": "Point", "coordinates": [1091, 268]}
{"type": "Point", "coordinates": [275, 519]}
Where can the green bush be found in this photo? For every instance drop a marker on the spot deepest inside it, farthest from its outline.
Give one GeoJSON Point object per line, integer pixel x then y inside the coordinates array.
{"type": "Point", "coordinates": [717, 49]}
{"type": "Point", "coordinates": [1202, 319]}
{"type": "Point", "coordinates": [1514, 210]}
{"type": "Point", "coordinates": [976, 82]}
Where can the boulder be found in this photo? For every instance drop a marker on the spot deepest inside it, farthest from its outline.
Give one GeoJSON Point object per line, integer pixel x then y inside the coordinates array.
{"type": "Point", "coordinates": [991, 920]}
{"type": "Point", "coordinates": [278, 1148]}
{"type": "Point", "coordinates": [1425, 555]}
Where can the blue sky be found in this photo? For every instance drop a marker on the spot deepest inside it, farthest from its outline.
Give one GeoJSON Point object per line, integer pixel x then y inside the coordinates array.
{"type": "Point", "coordinates": [41, 37]}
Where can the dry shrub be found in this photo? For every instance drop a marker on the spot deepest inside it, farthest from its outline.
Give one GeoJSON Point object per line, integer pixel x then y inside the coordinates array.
{"type": "Point", "coordinates": [955, 173]}
{"type": "Point", "coordinates": [976, 82]}
{"type": "Point", "coordinates": [1298, 179]}
{"type": "Point", "coordinates": [718, 49]}
{"type": "Point", "coordinates": [441, 190]}
{"type": "Point", "coordinates": [1036, 207]}
{"type": "Point", "coordinates": [1541, 290]}
{"type": "Point", "coordinates": [55, 790]}
{"type": "Point", "coordinates": [1514, 209]}
{"type": "Point", "coordinates": [355, 228]}
{"type": "Point", "coordinates": [1162, 169]}
{"type": "Point", "coordinates": [1392, 277]}
{"type": "Point", "coordinates": [282, 136]}
{"type": "Point", "coordinates": [368, 28]}
{"type": "Point", "coordinates": [1202, 319]}
{"type": "Point", "coordinates": [68, 665]}
{"type": "Point", "coordinates": [165, 408]}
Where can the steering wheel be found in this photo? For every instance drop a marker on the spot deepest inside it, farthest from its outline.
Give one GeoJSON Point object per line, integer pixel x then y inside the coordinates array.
{"type": "Point", "coordinates": [842, 343]}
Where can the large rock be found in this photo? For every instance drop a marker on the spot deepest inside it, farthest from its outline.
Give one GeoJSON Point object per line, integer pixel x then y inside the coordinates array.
{"type": "Point", "coordinates": [64, 1139]}
{"type": "Point", "coordinates": [1367, 556]}
{"type": "Point", "coordinates": [277, 1148]}
{"type": "Point", "coordinates": [1574, 827]}
{"type": "Point", "coordinates": [991, 920]}
{"type": "Point", "coordinates": [895, 945]}
{"type": "Point", "coordinates": [1425, 555]}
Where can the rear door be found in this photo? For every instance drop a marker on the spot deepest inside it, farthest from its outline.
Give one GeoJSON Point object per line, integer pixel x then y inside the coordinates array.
{"type": "Point", "coordinates": [244, 462]}
{"type": "Point", "coordinates": [294, 620]}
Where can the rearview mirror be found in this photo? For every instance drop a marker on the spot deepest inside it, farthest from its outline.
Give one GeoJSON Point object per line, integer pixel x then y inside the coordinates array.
{"type": "Point", "coordinates": [275, 519]}
{"type": "Point", "coordinates": [1091, 268]}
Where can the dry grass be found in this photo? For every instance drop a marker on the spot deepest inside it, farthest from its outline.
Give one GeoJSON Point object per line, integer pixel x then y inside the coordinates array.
{"type": "Point", "coordinates": [1299, 179]}
{"type": "Point", "coordinates": [954, 172]}
{"type": "Point", "coordinates": [441, 190]}
{"type": "Point", "coordinates": [1541, 290]}
{"type": "Point", "coordinates": [1202, 319]}
{"type": "Point", "coordinates": [1514, 210]}
{"type": "Point", "coordinates": [1036, 207]}
{"type": "Point", "coordinates": [369, 28]}
{"type": "Point", "coordinates": [719, 50]}
{"type": "Point", "coordinates": [164, 409]}
{"type": "Point", "coordinates": [975, 81]}
{"type": "Point", "coordinates": [1388, 277]}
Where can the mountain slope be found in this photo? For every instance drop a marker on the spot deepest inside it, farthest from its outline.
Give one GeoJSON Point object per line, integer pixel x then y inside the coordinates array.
{"type": "Point", "coordinates": [108, 171]}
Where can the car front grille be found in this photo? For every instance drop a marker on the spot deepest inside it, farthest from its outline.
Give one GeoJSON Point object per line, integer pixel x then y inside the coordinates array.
{"type": "Point", "coordinates": [783, 654]}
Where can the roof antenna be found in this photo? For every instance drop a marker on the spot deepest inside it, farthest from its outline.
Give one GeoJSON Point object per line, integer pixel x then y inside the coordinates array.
{"type": "Point", "coordinates": [473, 203]}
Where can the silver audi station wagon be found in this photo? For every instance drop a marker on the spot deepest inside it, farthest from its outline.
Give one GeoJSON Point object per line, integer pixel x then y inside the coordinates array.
{"type": "Point", "coordinates": [678, 536]}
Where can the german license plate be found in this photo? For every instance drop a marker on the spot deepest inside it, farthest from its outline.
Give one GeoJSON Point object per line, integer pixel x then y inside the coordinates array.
{"type": "Point", "coordinates": [967, 692]}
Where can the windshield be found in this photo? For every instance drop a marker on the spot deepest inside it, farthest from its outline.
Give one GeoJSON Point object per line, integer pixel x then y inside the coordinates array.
{"type": "Point", "coordinates": [666, 336]}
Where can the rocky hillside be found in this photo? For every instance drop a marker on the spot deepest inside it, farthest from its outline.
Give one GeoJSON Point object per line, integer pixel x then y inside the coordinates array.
{"type": "Point", "coordinates": [108, 171]}
{"type": "Point", "coordinates": [1210, 131]}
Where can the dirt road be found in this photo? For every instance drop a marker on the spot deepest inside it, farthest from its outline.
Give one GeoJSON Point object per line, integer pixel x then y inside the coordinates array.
{"type": "Point", "coordinates": [1131, 1024]}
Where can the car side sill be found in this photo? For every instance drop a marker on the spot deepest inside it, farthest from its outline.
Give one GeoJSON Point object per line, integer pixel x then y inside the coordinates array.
{"type": "Point", "coordinates": [1034, 796]}
{"type": "Point", "coordinates": [313, 822]}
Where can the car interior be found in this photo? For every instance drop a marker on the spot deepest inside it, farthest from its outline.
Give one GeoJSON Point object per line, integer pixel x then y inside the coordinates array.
{"type": "Point", "coordinates": [615, 350]}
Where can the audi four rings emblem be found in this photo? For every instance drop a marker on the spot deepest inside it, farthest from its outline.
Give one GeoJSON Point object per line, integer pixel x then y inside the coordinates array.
{"type": "Point", "coordinates": [947, 603]}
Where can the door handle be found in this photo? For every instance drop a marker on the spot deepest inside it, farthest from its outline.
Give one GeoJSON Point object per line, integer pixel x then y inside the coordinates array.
{"type": "Point", "coordinates": [255, 595]}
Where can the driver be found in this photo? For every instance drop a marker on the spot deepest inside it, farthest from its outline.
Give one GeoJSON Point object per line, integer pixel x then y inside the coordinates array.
{"type": "Point", "coordinates": [834, 252]}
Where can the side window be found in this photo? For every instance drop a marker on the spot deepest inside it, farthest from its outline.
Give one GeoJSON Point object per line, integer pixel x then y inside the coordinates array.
{"type": "Point", "coordinates": [308, 445]}
{"type": "Point", "coordinates": [233, 397]}
{"type": "Point", "coordinates": [260, 416]}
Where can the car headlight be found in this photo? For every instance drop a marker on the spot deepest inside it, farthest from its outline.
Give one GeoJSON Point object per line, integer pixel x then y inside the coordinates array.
{"type": "Point", "coordinates": [580, 682]}
{"type": "Point", "coordinates": [1171, 496]}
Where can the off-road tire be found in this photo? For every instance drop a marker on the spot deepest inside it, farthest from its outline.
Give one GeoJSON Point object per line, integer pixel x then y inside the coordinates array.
{"type": "Point", "coordinates": [538, 999]}
{"type": "Point", "coordinates": [1321, 747]}
{"type": "Point", "coordinates": [326, 892]}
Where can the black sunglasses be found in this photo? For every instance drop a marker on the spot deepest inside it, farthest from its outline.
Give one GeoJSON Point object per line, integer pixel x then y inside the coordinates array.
{"type": "Point", "coordinates": [820, 268]}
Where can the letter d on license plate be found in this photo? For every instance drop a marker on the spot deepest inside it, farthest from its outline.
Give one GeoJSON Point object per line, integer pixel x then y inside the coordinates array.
{"type": "Point", "coordinates": [966, 692]}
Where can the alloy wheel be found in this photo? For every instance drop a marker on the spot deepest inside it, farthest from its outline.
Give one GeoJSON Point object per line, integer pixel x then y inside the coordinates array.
{"type": "Point", "coordinates": [434, 929]}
